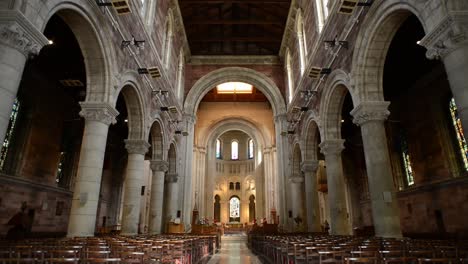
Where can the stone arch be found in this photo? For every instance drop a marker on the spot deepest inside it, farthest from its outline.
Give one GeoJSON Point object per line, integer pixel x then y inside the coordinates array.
{"type": "Point", "coordinates": [237, 74]}
{"type": "Point", "coordinates": [311, 140]}
{"type": "Point", "coordinates": [135, 108]}
{"type": "Point", "coordinates": [331, 103]}
{"type": "Point", "coordinates": [372, 44]}
{"type": "Point", "coordinates": [157, 140]}
{"type": "Point", "coordinates": [172, 158]}
{"type": "Point", "coordinates": [90, 32]}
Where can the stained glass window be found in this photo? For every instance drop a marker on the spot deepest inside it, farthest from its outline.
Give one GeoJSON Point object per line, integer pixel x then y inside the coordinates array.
{"type": "Point", "coordinates": [218, 149]}
{"type": "Point", "coordinates": [9, 133]}
{"type": "Point", "coordinates": [234, 150]}
{"type": "Point", "coordinates": [409, 173]}
{"type": "Point", "coordinates": [459, 131]}
{"type": "Point", "coordinates": [251, 149]}
{"type": "Point", "coordinates": [60, 172]}
{"type": "Point", "coordinates": [234, 208]}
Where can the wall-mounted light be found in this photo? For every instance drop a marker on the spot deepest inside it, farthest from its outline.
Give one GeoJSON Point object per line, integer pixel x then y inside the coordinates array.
{"type": "Point", "coordinates": [315, 72]}
{"type": "Point", "coordinates": [152, 71]}
{"type": "Point", "coordinates": [134, 42]}
{"type": "Point", "coordinates": [347, 7]}
{"type": "Point", "coordinates": [329, 44]}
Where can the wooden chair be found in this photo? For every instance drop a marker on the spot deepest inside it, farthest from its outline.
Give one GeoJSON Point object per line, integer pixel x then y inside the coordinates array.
{"type": "Point", "coordinates": [438, 260]}
{"type": "Point", "coordinates": [399, 260]}
{"type": "Point", "coordinates": [361, 260]}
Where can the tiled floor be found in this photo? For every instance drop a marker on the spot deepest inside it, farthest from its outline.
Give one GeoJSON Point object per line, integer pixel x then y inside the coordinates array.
{"type": "Point", "coordinates": [234, 250]}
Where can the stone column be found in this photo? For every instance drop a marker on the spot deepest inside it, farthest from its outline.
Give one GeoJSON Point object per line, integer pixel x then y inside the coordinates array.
{"type": "Point", "coordinates": [449, 41]}
{"type": "Point", "coordinates": [312, 204]}
{"type": "Point", "coordinates": [158, 167]}
{"type": "Point", "coordinates": [172, 195]}
{"type": "Point", "coordinates": [282, 145]}
{"type": "Point", "coordinates": [18, 40]}
{"type": "Point", "coordinates": [297, 205]}
{"type": "Point", "coordinates": [187, 194]}
{"type": "Point", "coordinates": [336, 187]}
{"type": "Point", "coordinates": [133, 181]}
{"type": "Point", "coordinates": [98, 117]}
{"type": "Point", "coordinates": [385, 212]}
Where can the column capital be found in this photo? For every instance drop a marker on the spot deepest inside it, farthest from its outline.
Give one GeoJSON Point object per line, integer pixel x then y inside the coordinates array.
{"type": "Point", "coordinates": [159, 165]}
{"type": "Point", "coordinates": [189, 118]}
{"type": "Point", "coordinates": [370, 111]}
{"type": "Point", "coordinates": [296, 179]}
{"type": "Point", "coordinates": [17, 32]}
{"type": "Point", "coordinates": [309, 165]}
{"type": "Point", "coordinates": [450, 34]}
{"type": "Point", "coordinates": [136, 146]}
{"type": "Point", "coordinates": [98, 111]}
{"type": "Point", "coordinates": [332, 146]}
{"type": "Point", "coordinates": [172, 177]}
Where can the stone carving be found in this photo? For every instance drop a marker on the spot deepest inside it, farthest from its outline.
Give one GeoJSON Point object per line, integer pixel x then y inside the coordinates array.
{"type": "Point", "coordinates": [159, 165]}
{"type": "Point", "coordinates": [332, 146]}
{"type": "Point", "coordinates": [370, 111]}
{"type": "Point", "coordinates": [309, 166]}
{"type": "Point", "coordinates": [14, 36]}
{"type": "Point", "coordinates": [97, 111]}
{"type": "Point", "coordinates": [136, 146]}
{"type": "Point", "coordinates": [446, 37]}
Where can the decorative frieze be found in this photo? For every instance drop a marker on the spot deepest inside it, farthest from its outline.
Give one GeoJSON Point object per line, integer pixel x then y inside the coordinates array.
{"type": "Point", "coordinates": [136, 146]}
{"type": "Point", "coordinates": [159, 165]}
{"type": "Point", "coordinates": [370, 111]}
{"type": "Point", "coordinates": [332, 146]}
{"type": "Point", "coordinates": [450, 34]}
{"type": "Point", "coordinates": [17, 32]}
{"type": "Point", "coordinates": [98, 111]}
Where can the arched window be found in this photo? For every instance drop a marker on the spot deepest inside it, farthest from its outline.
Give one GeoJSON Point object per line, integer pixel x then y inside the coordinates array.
{"type": "Point", "coordinates": [301, 40]}
{"type": "Point", "coordinates": [234, 150]}
{"type": "Point", "coordinates": [251, 149]}
{"type": "Point", "coordinates": [9, 132]}
{"type": "Point", "coordinates": [289, 76]}
{"type": "Point", "coordinates": [231, 186]}
{"type": "Point", "coordinates": [180, 76]}
{"type": "Point", "coordinates": [234, 209]}
{"type": "Point", "coordinates": [459, 132]}
{"type": "Point", "coordinates": [237, 185]}
{"type": "Point", "coordinates": [148, 8]}
{"type": "Point", "coordinates": [168, 38]}
{"type": "Point", "coordinates": [218, 149]}
{"type": "Point", "coordinates": [321, 7]}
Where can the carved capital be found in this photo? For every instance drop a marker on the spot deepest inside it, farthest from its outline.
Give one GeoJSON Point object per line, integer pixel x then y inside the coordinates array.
{"type": "Point", "coordinates": [17, 32]}
{"type": "Point", "coordinates": [136, 146]}
{"type": "Point", "coordinates": [370, 111]}
{"type": "Point", "coordinates": [296, 179]}
{"type": "Point", "coordinates": [190, 119]}
{"type": "Point", "coordinates": [159, 165]}
{"type": "Point", "coordinates": [98, 111]}
{"type": "Point", "coordinates": [172, 177]}
{"type": "Point", "coordinates": [450, 34]}
{"type": "Point", "coordinates": [332, 146]}
{"type": "Point", "coordinates": [309, 166]}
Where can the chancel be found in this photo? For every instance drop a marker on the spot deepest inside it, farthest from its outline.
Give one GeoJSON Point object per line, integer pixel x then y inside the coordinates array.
{"type": "Point", "coordinates": [233, 131]}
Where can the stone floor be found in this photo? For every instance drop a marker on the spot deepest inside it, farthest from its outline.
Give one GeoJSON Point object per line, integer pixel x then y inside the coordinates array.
{"type": "Point", "coordinates": [234, 250]}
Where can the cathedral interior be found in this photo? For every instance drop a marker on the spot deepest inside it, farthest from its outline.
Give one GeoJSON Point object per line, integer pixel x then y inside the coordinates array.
{"type": "Point", "coordinates": [201, 130]}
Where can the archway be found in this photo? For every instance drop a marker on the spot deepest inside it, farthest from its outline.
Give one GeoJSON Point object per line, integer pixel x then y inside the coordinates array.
{"type": "Point", "coordinates": [234, 209]}
{"type": "Point", "coordinates": [217, 209]}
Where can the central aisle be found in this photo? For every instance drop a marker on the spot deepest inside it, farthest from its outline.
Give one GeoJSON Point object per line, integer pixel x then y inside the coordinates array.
{"type": "Point", "coordinates": [234, 250]}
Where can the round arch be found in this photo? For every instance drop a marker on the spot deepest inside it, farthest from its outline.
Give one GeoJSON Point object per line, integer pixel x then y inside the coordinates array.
{"type": "Point", "coordinates": [89, 31]}
{"type": "Point", "coordinates": [237, 74]}
{"type": "Point", "coordinates": [157, 140]}
{"type": "Point", "coordinates": [311, 139]}
{"type": "Point", "coordinates": [333, 95]}
{"type": "Point", "coordinates": [372, 44]}
{"type": "Point", "coordinates": [135, 109]}
{"type": "Point", "coordinates": [172, 158]}
{"type": "Point", "coordinates": [296, 160]}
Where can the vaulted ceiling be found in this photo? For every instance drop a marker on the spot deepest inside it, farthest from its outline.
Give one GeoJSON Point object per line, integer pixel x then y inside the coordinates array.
{"type": "Point", "coordinates": [234, 27]}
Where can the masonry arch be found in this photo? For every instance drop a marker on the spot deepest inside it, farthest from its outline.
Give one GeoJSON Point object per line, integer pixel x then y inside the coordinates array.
{"type": "Point", "coordinates": [135, 107]}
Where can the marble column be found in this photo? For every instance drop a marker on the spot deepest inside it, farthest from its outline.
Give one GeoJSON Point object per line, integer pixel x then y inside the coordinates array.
{"type": "Point", "coordinates": [370, 116]}
{"type": "Point", "coordinates": [312, 204]}
{"type": "Point", "coordinates": [133, 181]}
{"type": "Point", "coordinates": [18, 40]}
{"type": "Point", "coordinates": [448, 41]}
{"type": "Point", "coordinates": [336, 186]}
{"type": "Point", "coordinates": [173, 196]}
{"type": "Point", "coordinates": [98, 117]}
{"type": "Point", "coordinates": [297, 206]}
{"type": "Point", "coordinates": [159, 168]}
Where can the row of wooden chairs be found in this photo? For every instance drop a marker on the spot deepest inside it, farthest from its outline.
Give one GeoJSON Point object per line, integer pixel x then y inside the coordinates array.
{"type": "Point", "coordinates": [288, 249]}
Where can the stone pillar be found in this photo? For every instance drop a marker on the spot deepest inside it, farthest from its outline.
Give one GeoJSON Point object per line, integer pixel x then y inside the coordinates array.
{"type": "Point", "coordinates": [297, 205]}
{"type": "Point", "coordinates": [336, 186]}
{"type": "Point", "coordinates": [158, 167]}
{"type": "Point", "coordinates": [133, 182]}
{"type": "Point", "coordinates": [98, 117]}
{"type": "Point", "coordinates": [449, 41]}
{"type": "Point", "coordinates": [385, 211]}
{"type": "Point", "coordinates": [18, 40]}
{"type": "Point", "coordinates": [187, 194]}
{"type": "Point", "coordinates": [282, 145]}
{"type": "Point", "coordinates": [173, 196]}
{"type": "Point", "coordinates": [312, 204]}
